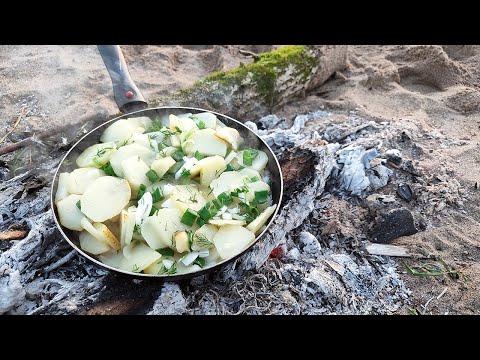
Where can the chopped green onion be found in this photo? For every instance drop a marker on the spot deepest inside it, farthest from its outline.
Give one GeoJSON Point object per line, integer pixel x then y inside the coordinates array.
{"type": "Point", "coordinates": [251, 211]}
{"type": "Point", "coordinates": [189, 217]}
{"type": "Point", "coordinates": [135, 268]}
{"type": "Point", "coordinates": [108, 169]}
{"type": "Point", "coordinates": [190, 239]}
{"type": "Point", "coordinates": [178, 130]}
{"type": "Point", "coordinates": [200, 262]}
{"type": "Point", "coordinates": [165, 251]}
{"type": "Point", "coordinates": [198, 156]}
{"type": "Point", "coordinates": [229, 168]}
{"type": "Point", "coordinates": [224, 199]}
{"type": "Point", "coordinates": [178, 155]}
{"type": "Point", "coordinates": [154, 210]}
{"type": "Point", "coordinates": [243, 189]}
{"type": "Point", "coordinates": [249, 155]}
{"type": "Point", "coordinates": [260, 197]}
{"type": "Point", "coordinates": [206, 213]}
{"type": "Point", "coordinates": [200, 123]}
{"type": "Point", "coordinates": [254, 178]}
{"type": "Point", "coordinates": [141, 191]}
{"type": "Point", "coordinates": [79, 206]}
{"type": "Point", "coordinates": [157, 195]}
{"type": "Point", "coordinates": [152, 176]}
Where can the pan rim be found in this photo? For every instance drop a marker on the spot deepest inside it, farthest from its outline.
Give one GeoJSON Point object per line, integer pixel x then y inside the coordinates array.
{"type": "Point", "coordinates": [167, 277]}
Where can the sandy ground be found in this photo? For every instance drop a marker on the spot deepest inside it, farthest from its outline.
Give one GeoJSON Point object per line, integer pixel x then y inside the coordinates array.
{"type": "Point", "coordinates": [434, 88]}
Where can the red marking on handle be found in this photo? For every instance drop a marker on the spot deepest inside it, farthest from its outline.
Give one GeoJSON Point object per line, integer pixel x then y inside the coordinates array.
{"type": "Point", "coordinates": [129, 94]}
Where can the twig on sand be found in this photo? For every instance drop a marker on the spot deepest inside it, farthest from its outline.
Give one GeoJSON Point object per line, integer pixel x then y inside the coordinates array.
{"type": "Point", "coordinates": [14, 126]}
{"type": "Point", "coordinates": [249, 53]}
{"type": "Point", "coordinates": [442, 293]}
{"type": "Point", "coordinates": [427, 303]}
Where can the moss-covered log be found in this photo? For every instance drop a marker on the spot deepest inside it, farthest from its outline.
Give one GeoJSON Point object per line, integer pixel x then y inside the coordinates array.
{"type": "Point", "coordinates": [255, 89]}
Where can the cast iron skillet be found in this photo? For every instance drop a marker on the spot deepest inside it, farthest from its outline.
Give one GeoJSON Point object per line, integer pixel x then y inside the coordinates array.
{"type": "Point", "coordinates": [130, 100]}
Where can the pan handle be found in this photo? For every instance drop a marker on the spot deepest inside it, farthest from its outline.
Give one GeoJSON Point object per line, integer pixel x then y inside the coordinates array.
{"type": "Point", "coordinates": [126, 93]}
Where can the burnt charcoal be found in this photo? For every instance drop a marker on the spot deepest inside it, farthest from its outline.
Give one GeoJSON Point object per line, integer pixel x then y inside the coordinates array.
{"type": "Point", "coordinates": [392, 224]}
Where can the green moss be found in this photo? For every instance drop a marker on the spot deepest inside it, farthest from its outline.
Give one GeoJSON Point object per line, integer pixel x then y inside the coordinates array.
{"type": "Point", "coordinates": [264, 71]}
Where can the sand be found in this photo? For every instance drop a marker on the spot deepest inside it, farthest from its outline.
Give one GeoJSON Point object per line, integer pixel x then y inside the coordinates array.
{"type": "Point", "coordinates": [433, 89]}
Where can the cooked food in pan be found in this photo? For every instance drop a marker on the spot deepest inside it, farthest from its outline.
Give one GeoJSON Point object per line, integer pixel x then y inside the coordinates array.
{"type": "Point", "coordinates": [166, 196]}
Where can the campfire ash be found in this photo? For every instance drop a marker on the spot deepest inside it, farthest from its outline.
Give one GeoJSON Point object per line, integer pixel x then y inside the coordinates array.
{"type": "Point", "coordinates": [340, 188]}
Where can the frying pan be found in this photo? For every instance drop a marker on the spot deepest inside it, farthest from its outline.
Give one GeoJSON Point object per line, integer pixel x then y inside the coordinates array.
{"type": "Point", "coordinates": [131, 102]}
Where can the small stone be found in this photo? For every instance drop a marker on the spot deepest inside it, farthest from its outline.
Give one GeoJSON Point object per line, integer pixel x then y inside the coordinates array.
{"type": "Point", "coordinates": [405, 192]}
{"type": "Point", "coordinates": [392, 224]}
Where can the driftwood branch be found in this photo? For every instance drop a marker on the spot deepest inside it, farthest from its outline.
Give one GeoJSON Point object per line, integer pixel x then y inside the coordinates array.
{"type": "Point", "coordinates": [254, 90]}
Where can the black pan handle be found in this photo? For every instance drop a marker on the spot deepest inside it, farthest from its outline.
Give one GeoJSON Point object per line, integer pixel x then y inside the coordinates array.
{"type": "Point", "coordinates": [126, 93]}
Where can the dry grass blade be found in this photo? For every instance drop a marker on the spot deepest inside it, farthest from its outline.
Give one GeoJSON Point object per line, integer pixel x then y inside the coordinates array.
{"type": "Point", "coordinates": [14, 127]}
{"type": "Point", "coordinates": [431, 269]}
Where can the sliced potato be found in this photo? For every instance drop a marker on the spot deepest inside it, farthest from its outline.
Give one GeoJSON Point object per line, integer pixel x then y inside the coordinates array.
{"type": "Point", "coordinates": [101, 233]}
{"type": "Point", "coordinates": [96, 155]}
{"type": "Point", "coordinates": [220, 124]}
{"type": "Point", "coordinates": [249, 173]}
{"type": "Point", "coordinates": [203, 236]}
{"type": "Point", "coordinates": [134, 170]}
{"type": "Point", "coordinates": [209, 119]}
{"type": "Point", "coordinates": [261, 219]}
{"type": "Point", "coordinates": [256, 186]}
{"type": "Point", "coordinates": [127, 225]}
{"type": "Point", "coordinates": [69, 214]}
{"type": "Point", "coordinates": [141, 121]}
{"type": "Point", "coordinates": [105, 198]}
{"type": "Point", "coordinates": [161, 166]}
{"type": "Point", "coordinates": [182, 269]}
{"type": "Point", "coordinates": [231, 136]}
{"type": "Point", "coordinates": [230, 156]}
{"type": "Point", "coordinates": [209, 168]}
{"type": "Point", "coordinates": [158, 230]}
{"type": "Point", "coordinates": [112, 258]}
{"type": "Point", "coordinates": [81, 179]}
{"type": "Point", "coordinates": [185, 124]}
{"type": "Point", "coordinates": [166, 152]}
{"type": "Point", "coordinates": [206, 143]}
{"type": "Point", "coordinates": [91, 244]}
{"type": "Point", "coordinates": [213, 257]}
{"type": "Point", "coordinates": [230, 240]}
{"type": "Point", "coordinates": [181, 242]}
{"type": "Point", "coordinates": [175, 141]}
{"type": "Point", "coordinates": [187, 197]}
{"type": "Point", "coordinates": [226, 222]}
{"type": "Point", "coordinates": [138, 256]}
{"type": "Point", "coordinates": [154, 268]}
{"type": "Point", "coordinates": [227, 182]}
{"type": "Point", "coordinates": [258, 163]}
{"type": "Point", "coordinates": [144, 140]}
{"type": "Point", "coordinates": [62, 187]}
{"type": "Point", "coordinates": [128, 151]}
{"type": "Point", "coordinates": [120, 131]}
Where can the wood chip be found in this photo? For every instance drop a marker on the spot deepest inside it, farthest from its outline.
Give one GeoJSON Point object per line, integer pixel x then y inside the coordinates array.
{"type": "Point", "coordinates": [388, 250]}
{"type": "Point", "coordinates": [13, 234]}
